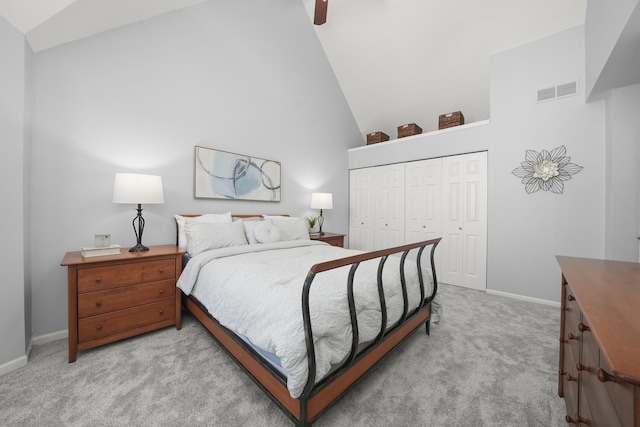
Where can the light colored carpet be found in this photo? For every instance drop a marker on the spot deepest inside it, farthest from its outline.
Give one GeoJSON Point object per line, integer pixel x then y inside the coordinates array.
{"type": "Point", "coordinates": [492, 361]}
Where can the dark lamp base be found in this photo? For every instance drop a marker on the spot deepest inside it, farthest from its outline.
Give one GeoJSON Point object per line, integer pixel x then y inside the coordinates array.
{"type": "Point", "coordinates": [139, 248]}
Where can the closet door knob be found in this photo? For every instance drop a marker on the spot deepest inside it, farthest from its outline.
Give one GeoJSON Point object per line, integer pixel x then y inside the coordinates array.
{"type": "Point", "coordinates": [583, 328]}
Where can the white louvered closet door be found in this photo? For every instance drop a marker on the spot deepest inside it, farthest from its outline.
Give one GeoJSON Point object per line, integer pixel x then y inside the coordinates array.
{"type": "Point", "coordinates": [389, 206]}
{"type": "Point", "coordinates": [361, 209]}
{"type": "Point", "coordinates": [464, 223]}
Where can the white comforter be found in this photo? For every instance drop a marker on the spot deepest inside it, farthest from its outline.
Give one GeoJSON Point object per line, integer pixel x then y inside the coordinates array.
{"type": "Point", "coordinates": [256, 291]}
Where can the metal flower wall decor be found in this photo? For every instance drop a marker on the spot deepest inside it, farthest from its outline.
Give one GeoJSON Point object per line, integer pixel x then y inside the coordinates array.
{"type": "Point", "coordinates": [546, 170]}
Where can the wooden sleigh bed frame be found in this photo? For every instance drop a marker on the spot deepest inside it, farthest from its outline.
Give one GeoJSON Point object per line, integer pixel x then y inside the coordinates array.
{"type": "Point", "coordinates": [317, 398]}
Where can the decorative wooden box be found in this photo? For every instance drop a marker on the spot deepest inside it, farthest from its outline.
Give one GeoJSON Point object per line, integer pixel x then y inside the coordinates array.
{"type": "Point", "coordinates": [451, 119]}
{"type": "Point", "coordinates": [375, 137]}
{"type": "Point", "coordinates": [408, 130]}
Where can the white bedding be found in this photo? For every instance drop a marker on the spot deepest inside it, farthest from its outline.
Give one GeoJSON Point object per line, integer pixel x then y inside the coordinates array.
{"type": "Point", "coordinates": [256, 291]}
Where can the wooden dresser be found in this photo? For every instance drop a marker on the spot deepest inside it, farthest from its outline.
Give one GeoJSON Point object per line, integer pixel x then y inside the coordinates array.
{"type": "Point", "coordinates": [118, 296]}
{"type": "Point", "coordinates": [599, 374]}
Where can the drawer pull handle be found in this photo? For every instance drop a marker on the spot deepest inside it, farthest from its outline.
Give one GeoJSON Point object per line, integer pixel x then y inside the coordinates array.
{"type": "Point", "coordinates": [98, 279]}
{"type": "Point", "coordinates": [98, 327]}
{"type": "Point", "coordinates": [571, 336]}
{"type": "Point", "coordinates": [571, 297]}
{"type": "Point", "coordinates": [577, 420]}
{"type": "Point", "coordinates": [162, 270]}
{"type": "Point", "coordinates": [161, 312]}
{"type": "Point", "coordinates": [569, 377]}
{"type": "Point", "coordinates": [583, 328]}
{"type": "Point", "coordinates": [604, 376]}
{"type": "Point", "coordinates": [98, 303]}
{"type": "Point", "coordinates": [161, 291]}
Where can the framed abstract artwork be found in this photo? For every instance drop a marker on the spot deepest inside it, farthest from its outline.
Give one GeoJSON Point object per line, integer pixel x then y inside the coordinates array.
{"type": "Point", "coordinates": [224, 175]}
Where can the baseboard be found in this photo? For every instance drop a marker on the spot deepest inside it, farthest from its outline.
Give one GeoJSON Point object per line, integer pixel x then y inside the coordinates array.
{"type": "Point", "coordinates": [524, 298]}
{"type": "Point", "coordinates": [22, 360]}
{"type": "Point", "coordinates": [12, 365]}
{"type": "Point", "coordinates": [54, 336]}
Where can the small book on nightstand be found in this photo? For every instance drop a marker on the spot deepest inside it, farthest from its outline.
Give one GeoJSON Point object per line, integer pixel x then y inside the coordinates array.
{"type": "Point", "coordinates": [314, 234]}
{"type": "Point", "coordinates": [88, 252]}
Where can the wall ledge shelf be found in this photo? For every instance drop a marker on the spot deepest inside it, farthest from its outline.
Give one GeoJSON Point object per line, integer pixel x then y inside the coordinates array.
{"type": "Point", "coordinates": [423, 135]}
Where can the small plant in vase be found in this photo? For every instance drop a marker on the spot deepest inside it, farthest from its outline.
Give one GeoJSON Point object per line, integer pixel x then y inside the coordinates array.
{"type": "Point", "coordinates": [312, 221]}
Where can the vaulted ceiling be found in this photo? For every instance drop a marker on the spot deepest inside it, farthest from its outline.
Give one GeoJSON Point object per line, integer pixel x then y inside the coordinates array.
{"type": "Point", "coordinates": [397, 61]}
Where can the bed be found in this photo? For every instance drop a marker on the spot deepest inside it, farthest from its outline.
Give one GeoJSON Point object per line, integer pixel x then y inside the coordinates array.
{"type": "Point", "coordinates": [304, 319]}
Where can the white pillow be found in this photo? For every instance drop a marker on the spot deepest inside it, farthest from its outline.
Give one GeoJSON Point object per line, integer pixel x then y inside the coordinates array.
{"type": "Point", "coordinates": [203, 236]}
{"type": "Point", "coordinates": [249, 230]}
{"type": "Point", "coordinates": [182, 220]}
{"type": "Point", "coordinates": [292, 228]}
{"type": "Point", "coordinates": [266, 232]}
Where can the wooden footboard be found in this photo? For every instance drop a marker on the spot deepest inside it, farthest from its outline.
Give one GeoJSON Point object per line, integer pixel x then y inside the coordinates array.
{"type": "Point", "coordinates": [316, 398]}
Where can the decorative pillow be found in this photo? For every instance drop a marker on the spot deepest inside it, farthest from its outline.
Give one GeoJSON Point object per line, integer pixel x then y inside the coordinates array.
{"type": "Point", "coordinates": [182, 220]}
{"type": "Point", "coordinates": [292, 228]}
{"type": "Point", "coordinates": [203, 236]}
{"type": "Point", "coordinates": [249, 230]}
{"type": "Point", "coordinates": [266, 232]}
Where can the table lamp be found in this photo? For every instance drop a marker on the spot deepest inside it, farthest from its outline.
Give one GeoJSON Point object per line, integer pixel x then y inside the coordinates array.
{"type": "Point", "coordinates": [321, 201]}
{"type": "Point", "coordinates": [138, 189]}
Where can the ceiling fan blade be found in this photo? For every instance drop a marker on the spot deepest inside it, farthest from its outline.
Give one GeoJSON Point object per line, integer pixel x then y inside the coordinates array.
{"type": "Point", "coordinates": [320, 16]}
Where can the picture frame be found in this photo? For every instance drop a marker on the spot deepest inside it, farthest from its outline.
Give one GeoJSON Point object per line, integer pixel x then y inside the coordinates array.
{"type": "Point", "coordinates": [224, 175]}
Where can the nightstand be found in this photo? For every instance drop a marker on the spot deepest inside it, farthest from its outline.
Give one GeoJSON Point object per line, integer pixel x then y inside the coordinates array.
{"type": "Point", "coordinates": [333, 239]}
{"type": "Point", "coordinates": [118, 296]}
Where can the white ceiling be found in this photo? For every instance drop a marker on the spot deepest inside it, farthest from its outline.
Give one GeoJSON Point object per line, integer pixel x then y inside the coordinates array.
{"type": "Point", "coordinates": [397, 61]}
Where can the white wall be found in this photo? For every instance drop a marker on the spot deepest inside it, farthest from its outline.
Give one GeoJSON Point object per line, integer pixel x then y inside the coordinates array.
{"type": "Point", "coordinates": [247, 78]}
{"type": "Point", "coordinates": [623, 174]}
{"type": "Point", "coordinates": [526, 231]}
{"type": "Point", "coordinates": [13, 194]}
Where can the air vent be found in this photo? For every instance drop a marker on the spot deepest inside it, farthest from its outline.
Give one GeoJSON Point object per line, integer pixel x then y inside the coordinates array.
{"type": "Point", "coordinates": [560, 91]}
{"type": "Point", "coordinates": [567, 89]}
{"type": "Point", "coordinates": [546, 94]}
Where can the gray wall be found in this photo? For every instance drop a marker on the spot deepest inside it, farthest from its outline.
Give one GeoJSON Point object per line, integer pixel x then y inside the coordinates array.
{"type": "Point", "coordinates": [526, 231]}
{"type": "Point", "coordinates": [251, 79]}
{"type": "Point", "coordinates": [623, 174]}
{"type": "Point", "coordinates": [13, 194]}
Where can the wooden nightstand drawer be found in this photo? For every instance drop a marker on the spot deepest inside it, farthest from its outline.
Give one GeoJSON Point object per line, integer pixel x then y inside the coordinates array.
{"type": "Point", "coordinates": [91, 328]}
{"type": "Point", "coordinates": [93, 303]}
{"type": "Point", "coordinates": [99, 278]}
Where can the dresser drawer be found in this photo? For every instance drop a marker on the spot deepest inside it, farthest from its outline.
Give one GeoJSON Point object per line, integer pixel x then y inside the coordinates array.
{"type": "Point", "coordinates": [621, 394]}
{"type": "Point", "coordinates": [570, 380]}
{"type": "Point", "coordinates": [91, 328]}
{"type": "Point", "coordinates": [572, 335]}
{"type": "Point", "coordinates": [93, 303]}
{"type": "Point", "coordinates": [602, 409]}
{"type": "Point", "coordinates": [99, 278]}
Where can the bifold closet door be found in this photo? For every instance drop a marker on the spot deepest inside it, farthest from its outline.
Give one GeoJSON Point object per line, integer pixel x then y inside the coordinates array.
{"type": "Point", "coordinates": [361, 209]}
{"type": "Point", "coordinates": [423, 202]}
{"type": "Point", "coordinates": [464, 220]}
{"type": "Point", "coordinates": [389, 206]}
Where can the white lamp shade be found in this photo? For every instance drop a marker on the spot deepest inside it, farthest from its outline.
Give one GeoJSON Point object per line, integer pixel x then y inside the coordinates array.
{"type": "Point", "coordinates": [137, 188]}
{"type": "Point", "coordinates": [321, 201]}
